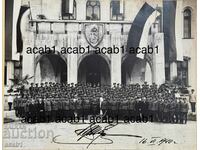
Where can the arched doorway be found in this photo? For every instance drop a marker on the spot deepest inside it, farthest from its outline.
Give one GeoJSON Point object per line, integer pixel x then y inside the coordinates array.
{"type": "Point", "coordinates": [51, 68]}
{"type": "Point", "coordinates": [95, 70]}
{"type": "Point", "coordinates": [135, 70]}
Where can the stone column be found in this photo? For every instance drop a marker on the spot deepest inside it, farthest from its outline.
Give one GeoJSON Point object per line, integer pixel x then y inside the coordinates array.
{"type": "Point", "coordinates": [10, 72]}
{"type": "Point", "coordinates": [72, 72]}
{"type": "Point", "coordinates": [115, 68]}
{"type": "Point", "coordinates": [28, 59]}
{"type": "Point", "coordinates": [179, 30]}
{"type": "Point", "coordinates": [72, 69]}
{"type": "Point", "coordinates": [28, 37]}
{"type": "Point", "coordinates": [158, 59]}
{"type": "Point", "coordinates": [173, 70]}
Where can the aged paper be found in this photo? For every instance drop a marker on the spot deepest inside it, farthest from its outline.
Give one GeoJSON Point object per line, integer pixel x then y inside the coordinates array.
{"type": "Point", "coordinates": [100, 74]}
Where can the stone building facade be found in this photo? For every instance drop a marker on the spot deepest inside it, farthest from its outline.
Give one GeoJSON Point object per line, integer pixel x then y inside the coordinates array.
{"type": "Point", "coordinates": [63, 23]}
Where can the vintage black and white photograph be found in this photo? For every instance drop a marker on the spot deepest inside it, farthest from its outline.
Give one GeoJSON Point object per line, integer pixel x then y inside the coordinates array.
{"type": "Point", "coordinates": [100, 74]}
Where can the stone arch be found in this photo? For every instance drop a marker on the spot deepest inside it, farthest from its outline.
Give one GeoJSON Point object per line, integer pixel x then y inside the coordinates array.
{"type": "Point", "coordinates": [105, 57]}
{"type": "Point", "coordinates": [188, 7]}
{"type": "Point", "coordinates": [50, 68]}
{"type": "Point", "coordinates": [136, 70]}
{"type": "Point", "coordinates": [94, 69]}
{"type": "Point", "coordinates": [56, 53]}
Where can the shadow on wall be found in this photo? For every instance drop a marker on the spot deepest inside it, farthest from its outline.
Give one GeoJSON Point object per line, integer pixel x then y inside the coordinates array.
{"type": "Point", "coordinates": [51, 68]}
{"type": "Point", "coordinates": [135, 70]}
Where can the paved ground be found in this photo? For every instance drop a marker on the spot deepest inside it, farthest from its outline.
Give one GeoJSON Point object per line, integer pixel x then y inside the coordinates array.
{"type": "Point", "coordinates": [152, 136]}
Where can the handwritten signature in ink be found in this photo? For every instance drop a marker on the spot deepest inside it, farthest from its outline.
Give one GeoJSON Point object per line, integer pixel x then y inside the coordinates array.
{"type": "Point", "coordinates": [92, 133]}
{"type": "Point", "coordinates": [96, 131]}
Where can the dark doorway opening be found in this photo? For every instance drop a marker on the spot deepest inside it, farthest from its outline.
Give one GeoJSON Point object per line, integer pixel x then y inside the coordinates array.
{"type": "Point", "coordinates": [133, 70]}
{"type": "Point", "coordinates": [53, 68]}
{"type": "Point", "coordinates": [126, 69]}
{"type": "Point", "coordinates": [93, 74]}
{"type": "Point", "coordinates": [94, 69]}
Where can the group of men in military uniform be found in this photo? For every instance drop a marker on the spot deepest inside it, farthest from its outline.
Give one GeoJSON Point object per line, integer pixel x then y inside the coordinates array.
{"type": "Point", "coordinates": [50, 102]}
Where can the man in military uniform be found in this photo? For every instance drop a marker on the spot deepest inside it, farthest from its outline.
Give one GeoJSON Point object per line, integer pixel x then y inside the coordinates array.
{"type": "Point", "coordinates": [41, 110]}
{"type": "Point", "coordinates": [23, 104]}
{"type": "Point", "coordinates": [138, 106]}
{"type": "Point", "coordinates": [57, 108]}
{"type": "Point", "coordinates": [160, 110]}
{"type": "Point", "coordinates": [54, 109]}
{"type": "Point", "coordinates": [114, 106]}
{"type": "Point", "coordinates": [118, 103]}
{"type": "Point", "coordinates": [104, 107]}
{"type": "Point", "coordinates": [184, 110]}
{"type": "Point", "coordinates": [88, 106]}
{"type": "Point", "coordinates": [144, 108]}
{"type": "Point", "coordinates": [79, 106]}
{"type": "Point", "coordinates": [172, 110]}
{"type": "Point", "coordinates": [124, 108]}
{"type": "Point", "coordinates": [71, 107]}
{"type": "Point", "coordinates": [16, 105]}
{"type": "Point", "coordinates": [46, 87]}
{"type": "Point", "coordinates": [74, 103]}
{"type": "Point", "coordinates": [177, 110]}
{"type": "Point", "coordinates": [36, 89]}
{"type": "Point", "coordinates": [92, 105]}
{"type": "Point", "coordinates": [101, 99]}
{"type": "Point", "coordinates": [47, 107]}
{"type": "Point", "coordinates": [31, 89]}
{"type": "Point", "coordinates": [59, 111]}
{"type": "Point", "coordinates": [66, 109]}
{"type": "Point", "coordinates": [192, 100]}
{"type": "Point", "coordinates": [33, 111]}
{"type": "Point", "coordinates": [20, 106]}
{"type": "Point", "coordinates": [132, 111]}
{"type": "Point", "coordinates": [155, 106]}
{"type": "Point", "coordinates": [27, 110]}
{"type": "Point", "coordinates": [109, 106]}
{"type": "Point", "coordinates": [166, 111]}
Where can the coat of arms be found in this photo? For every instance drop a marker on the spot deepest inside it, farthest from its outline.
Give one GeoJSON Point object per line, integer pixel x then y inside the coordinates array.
{"type": "Point", "coordinates": [94, 34]}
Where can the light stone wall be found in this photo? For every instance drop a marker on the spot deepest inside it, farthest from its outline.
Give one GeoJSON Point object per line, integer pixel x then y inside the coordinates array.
{"type": "Point", "coordinates": [52, 10]}
{"type": "Point", "coordinates": [190, 45]}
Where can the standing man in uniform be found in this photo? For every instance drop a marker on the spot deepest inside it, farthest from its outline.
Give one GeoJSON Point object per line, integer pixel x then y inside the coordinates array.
{"type": "Point", "coordinates": [101, 101]}
{"type": "Point", "coordinates": [54, 109]}
{"type": "Point", "coordinates": [27, 110]}
{"type": "Point", "coordinates": [41, 110]}
{"type": "Point", "coordinates": [104, 107]}
{"type": "Point", "coordinates": [66, 108]}
{"type": "Point", "coordinates": [87, 106]}
{"type": "Point", "coordinates": [10, 101]}
{"type": "Point", "coordinates": [47, 105]}
{"type": "Point", "coordinates": [193, 101]}
{"type": "Point", "coordinates": [184, 110]}
{"type": "Point", "coordinates": [33, 111]}
{"type": "Point", "coordinates": [132, 111]}
{"type": "Point", "coordinates": [16, 106]}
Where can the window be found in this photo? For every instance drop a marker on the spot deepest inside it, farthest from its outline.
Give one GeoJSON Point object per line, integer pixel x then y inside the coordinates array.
{"type": "Point", "coordinates": [69, 9]}
{"type": "Point", "coordinates": [182, 72]}
{"type": "Point", "coordinates": [116, 10]}
{"type": "Point", "coordinates": [93, 10]}
{"type": "Point", "coordinates": [187, 23]}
